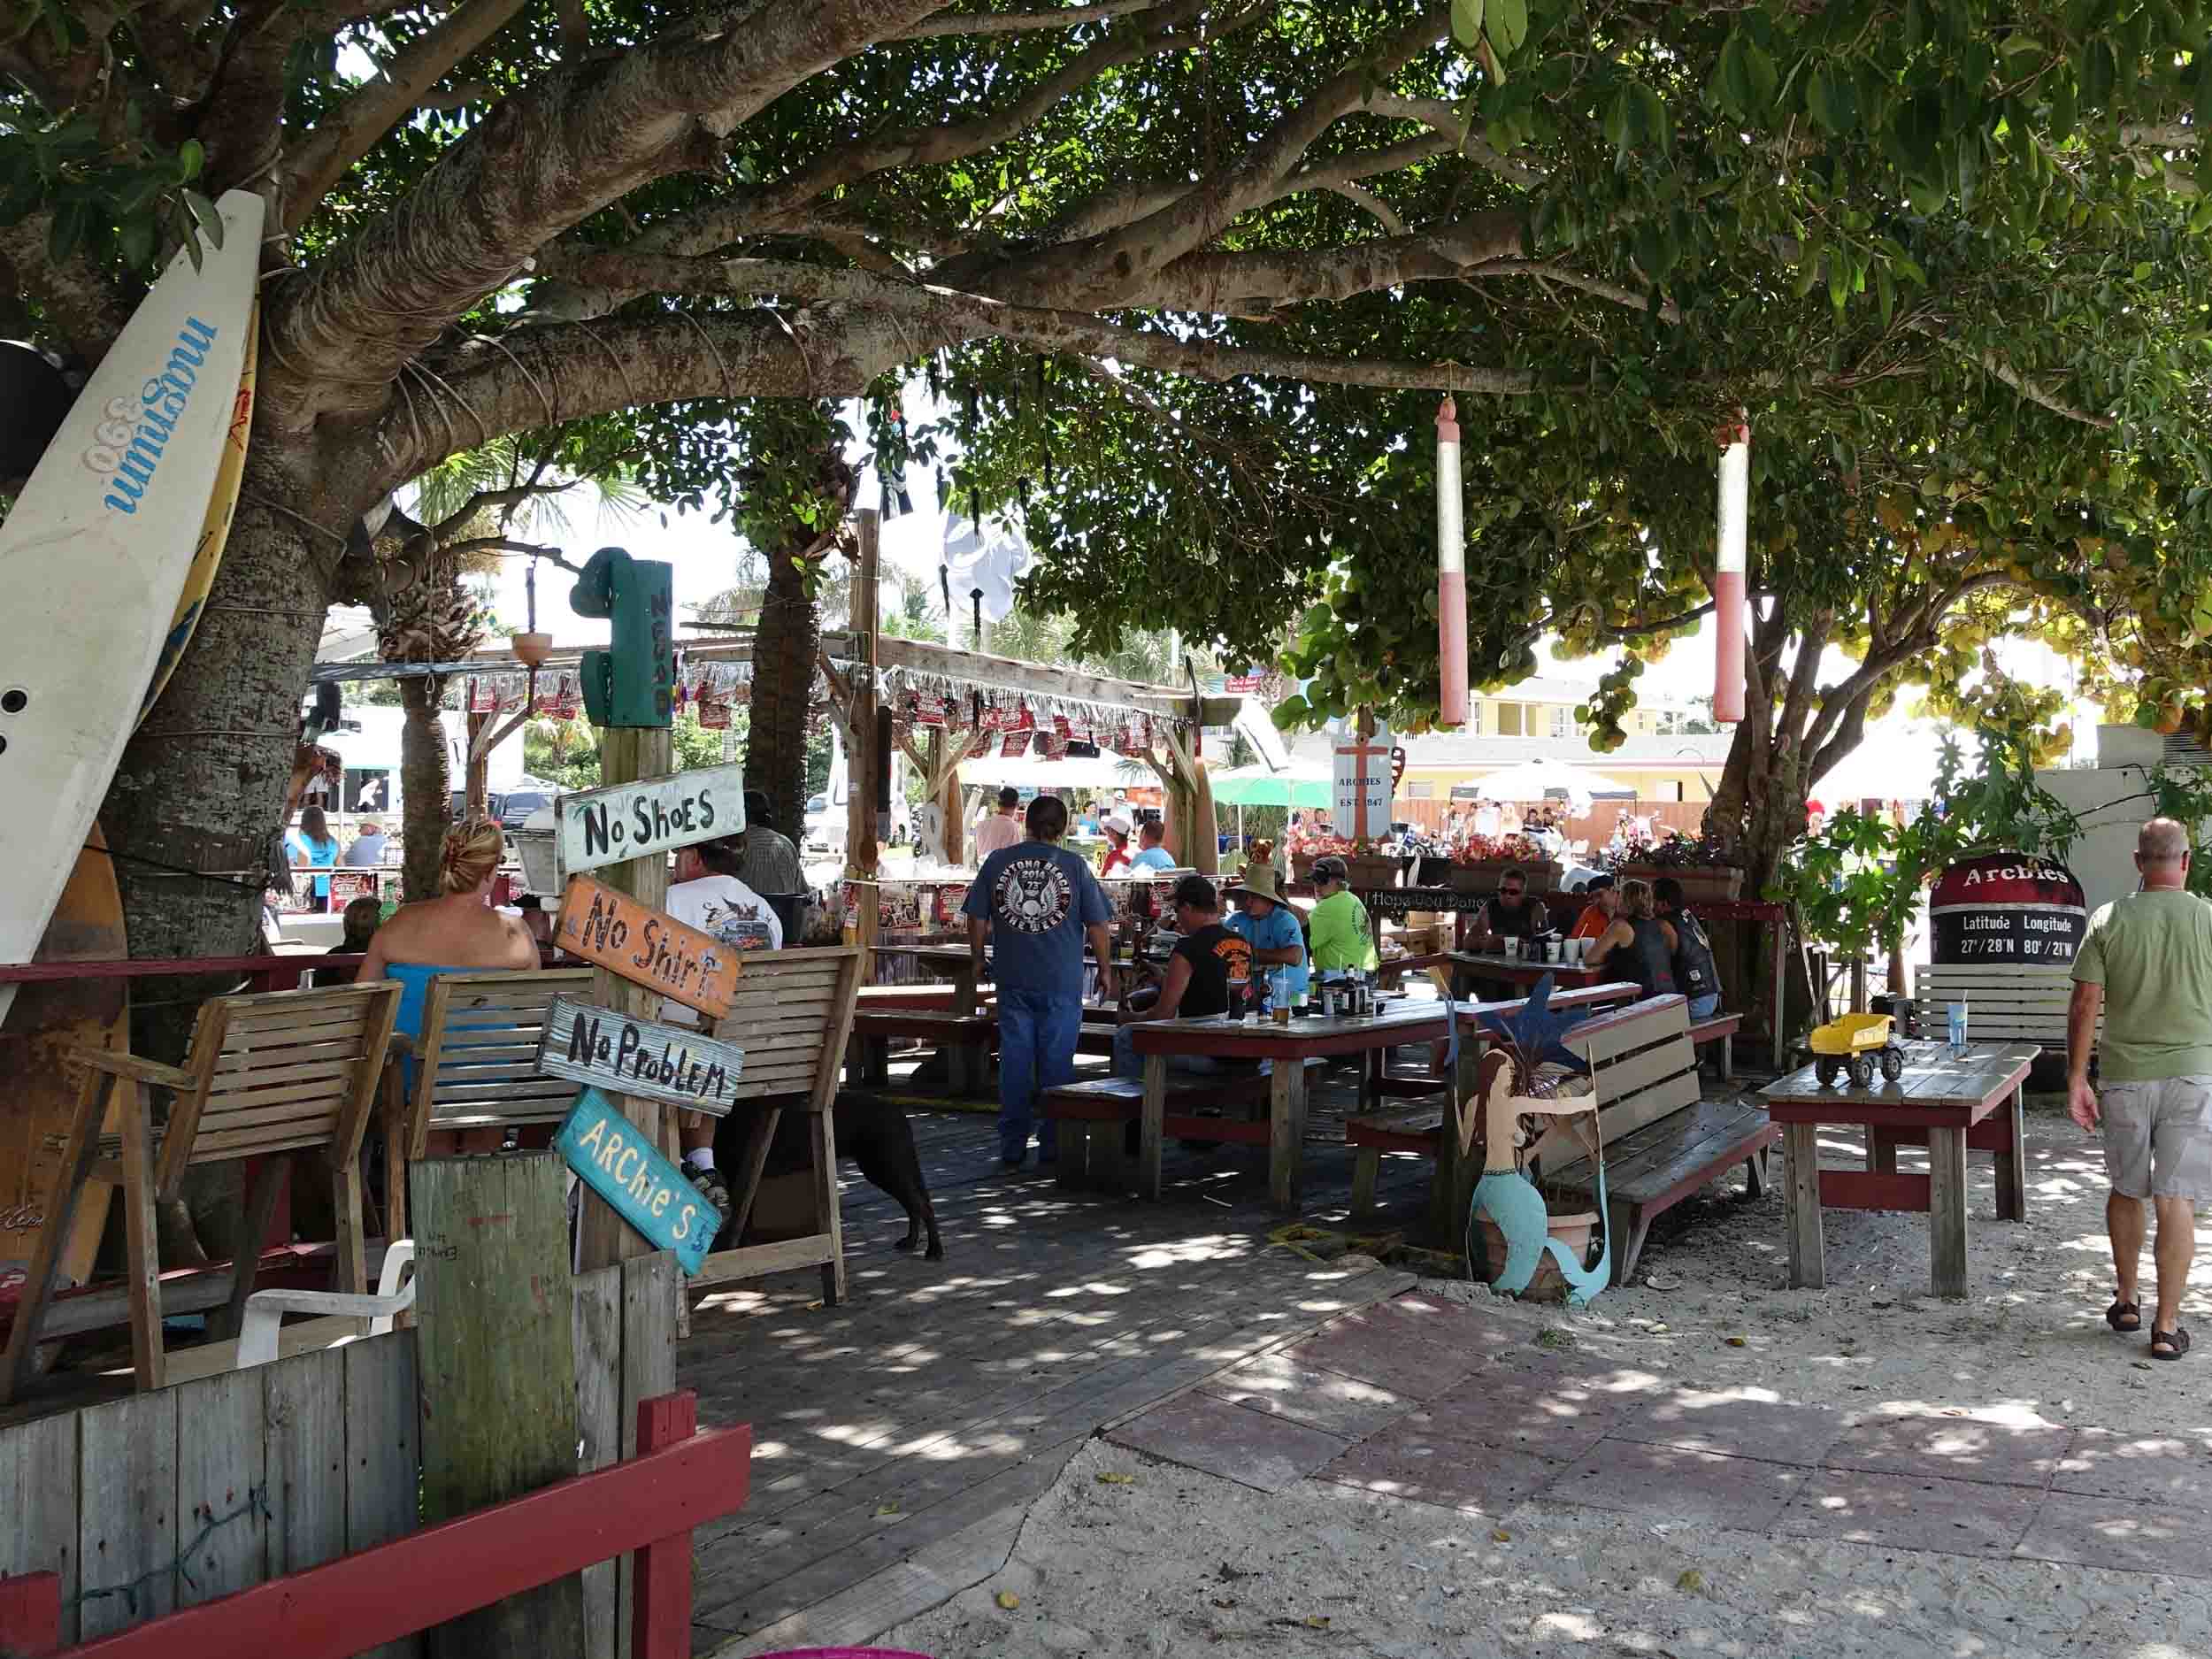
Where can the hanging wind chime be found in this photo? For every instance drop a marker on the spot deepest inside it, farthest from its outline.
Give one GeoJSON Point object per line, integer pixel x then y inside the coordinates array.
{"type": "Point", "coordinates": [1728, 569]}
{"type": "Point", "coordinates": [1451, 573]}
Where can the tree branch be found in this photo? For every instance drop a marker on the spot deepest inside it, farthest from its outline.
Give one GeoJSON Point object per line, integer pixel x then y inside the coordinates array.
{"type": "Point", "coordinates": [1365, 199]}
{"type": "Point", "coordinates": [582, 137]}
{"type": "Point", "coordinates": [453, 521]}
{"type": "Point", "coordinates": [2012, 376]}
{"type": "Point", "coordinates": [950, 22]}
{"type": "Point", "coordinates": [383, 101]}
{"type": "Point", "coordinates": [1101, 272]}
{"type": "Point", "coordinates": [1550, 272]}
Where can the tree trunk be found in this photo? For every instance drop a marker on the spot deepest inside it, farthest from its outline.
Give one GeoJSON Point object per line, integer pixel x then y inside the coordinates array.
{"type": "Point", "coordinates": [202, 784]}
{"type": "Point", "coordinates": [426, 782]}
{"type": "Point", "coordinates": [784, 648]}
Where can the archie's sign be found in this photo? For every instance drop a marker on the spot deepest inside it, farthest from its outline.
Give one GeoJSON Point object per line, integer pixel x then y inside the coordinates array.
{"type": "Point", "coordinates": [612, 1156]}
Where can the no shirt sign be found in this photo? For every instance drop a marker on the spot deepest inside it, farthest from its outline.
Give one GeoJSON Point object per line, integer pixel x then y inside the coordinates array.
{"type": "Point", "coordinates": [645, 946]}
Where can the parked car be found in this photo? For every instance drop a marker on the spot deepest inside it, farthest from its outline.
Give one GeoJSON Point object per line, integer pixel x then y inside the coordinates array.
{"type": "Point", "coordinates": [516, 806]}
{"type": "Point", "coordinates": [457, 805]}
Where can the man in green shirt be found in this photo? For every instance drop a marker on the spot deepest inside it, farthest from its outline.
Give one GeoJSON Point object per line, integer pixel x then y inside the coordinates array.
{"type": "Point", "coordinates": [2147, 964]}
{"type": "Point", "coordinates": [1338, 932]}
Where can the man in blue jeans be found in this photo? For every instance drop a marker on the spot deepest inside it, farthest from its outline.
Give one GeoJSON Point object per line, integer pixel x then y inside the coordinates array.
{"type": "Point", "coordinates": [1034, 902]}
{"type": "Point", "coordinates": [1695, 975]}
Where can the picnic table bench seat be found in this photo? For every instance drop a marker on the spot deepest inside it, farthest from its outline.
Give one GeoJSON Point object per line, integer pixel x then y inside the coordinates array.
{"type": "Point", "coordinates": [875, 1028]}
{"type": "Point", "coordinates": [1095, 1116]}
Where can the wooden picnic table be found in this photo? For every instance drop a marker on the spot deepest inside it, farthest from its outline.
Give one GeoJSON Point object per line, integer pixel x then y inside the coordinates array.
{"type": "Point", "coordinates": [1223, 1038]}
{"type": "Point", "coordinates": [1951, 1102]}
{"type": "Point", "coordinates": [1495, 964]}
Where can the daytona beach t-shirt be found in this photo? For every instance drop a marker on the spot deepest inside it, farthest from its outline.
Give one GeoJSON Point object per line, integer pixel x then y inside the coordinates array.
{"type": "Point", "coordinates": [1038, 899]}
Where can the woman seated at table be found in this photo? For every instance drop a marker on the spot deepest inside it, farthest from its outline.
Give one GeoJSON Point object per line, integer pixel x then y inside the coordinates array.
{"type": "Point", "coordinates": [1638, 945]}
{"type": "Point", "coordinates": [1209, 973]}
{"type": "Point", "coordinates": [457, 932]}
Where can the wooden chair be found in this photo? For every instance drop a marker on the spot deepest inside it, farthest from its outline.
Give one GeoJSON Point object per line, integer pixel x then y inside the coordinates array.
{"type": "Point", "coordinates": [791, 1013]}
{"type": "Point", "coordinates": [475, 1067]}
{"type": "Point", "coordinates": [286, 1071]}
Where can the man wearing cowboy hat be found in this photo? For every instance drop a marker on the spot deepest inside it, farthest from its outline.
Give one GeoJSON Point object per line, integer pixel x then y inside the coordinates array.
{"type": "Point", "coordinates": [1270, 928]}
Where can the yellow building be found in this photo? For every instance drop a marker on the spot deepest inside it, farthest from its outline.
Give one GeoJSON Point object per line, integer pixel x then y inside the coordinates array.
{"type": "Point", "coordinates": [1546, 708]}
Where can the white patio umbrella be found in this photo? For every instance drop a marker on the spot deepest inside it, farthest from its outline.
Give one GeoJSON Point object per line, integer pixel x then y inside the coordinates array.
{"type": "Point", "coordinates": [1536, 779]}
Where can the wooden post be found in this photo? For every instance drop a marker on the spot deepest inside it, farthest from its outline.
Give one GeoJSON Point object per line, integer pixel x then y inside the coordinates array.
{"type": "Point", "coordinates": [478, 776]}
{"type": "Point", "coordinates": [863, 762]}
{"type": "Point", "coordinates": [1947, 1211]}
{"type": "Point", "coordinates": [496, 1349]}
{"type": "Point", "coordinates": [1800, 1179]}
{"type": "Point", "coordinates": [627, 753]}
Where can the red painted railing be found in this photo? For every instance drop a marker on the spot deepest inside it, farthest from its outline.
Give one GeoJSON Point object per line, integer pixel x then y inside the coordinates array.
{"type": "Point", "coordinates": [679, 1479]}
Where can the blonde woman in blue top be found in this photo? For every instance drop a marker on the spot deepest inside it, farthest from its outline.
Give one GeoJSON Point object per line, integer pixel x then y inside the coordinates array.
{"type": "Point", "coordinates": [459, 931]}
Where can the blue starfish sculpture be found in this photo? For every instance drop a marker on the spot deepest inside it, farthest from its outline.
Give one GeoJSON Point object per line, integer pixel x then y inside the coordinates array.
{"type": "Point", "coordinates": [1534, 1034]}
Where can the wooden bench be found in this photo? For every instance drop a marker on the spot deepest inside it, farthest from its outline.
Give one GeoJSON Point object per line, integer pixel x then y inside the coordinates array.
{"type": "Point", "coordinates": [2006, 1001]}
{"type": "Point", "coordinates": [1720, 1028]}
{"type": "Point", "coordinates": [792, 1013]}
{"type": "Point", "coordinates": [287, 1072]}
{"type": "Point", "coordinates": [1662, 1140]}
{"type": "Point", "coordinates": [964, 1040]}
{"type": "Point", "coordinates": [1095, 1116]}
{"type": "Point", "coordinates": [1419, 1130]}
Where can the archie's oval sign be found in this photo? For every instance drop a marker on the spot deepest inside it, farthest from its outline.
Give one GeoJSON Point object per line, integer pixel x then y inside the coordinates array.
{"type": "Point", "coordinates": [627, 1055]}
{"type": "Point", "coordinates": [645, 946]}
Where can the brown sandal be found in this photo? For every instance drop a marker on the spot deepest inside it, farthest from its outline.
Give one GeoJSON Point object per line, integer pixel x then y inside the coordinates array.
{"type": "Point", "coordinates": [2175, 1341]}
{"type": "Point", "coordinates": [2124, 1316]}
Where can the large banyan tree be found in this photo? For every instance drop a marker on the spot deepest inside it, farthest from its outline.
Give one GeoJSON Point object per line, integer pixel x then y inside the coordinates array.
{"type": "Point", "coordinates": [1186, 274]}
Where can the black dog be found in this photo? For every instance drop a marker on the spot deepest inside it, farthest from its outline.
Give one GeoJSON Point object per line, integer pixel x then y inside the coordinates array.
{"type": "Point", "coordinates": [874, 1134]}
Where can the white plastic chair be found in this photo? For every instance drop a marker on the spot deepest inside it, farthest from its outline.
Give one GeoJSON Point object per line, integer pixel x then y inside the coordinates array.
{"type": "Point", "coordinates": [257, 1336]}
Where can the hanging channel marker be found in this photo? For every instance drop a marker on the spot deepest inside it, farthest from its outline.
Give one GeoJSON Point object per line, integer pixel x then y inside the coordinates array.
{"type": "Point", "coordinates": [628, 1055]}
{"type": "Point", "coordinates": [646, 947]}
{"type": "Point", "coordinates": [592, 827]}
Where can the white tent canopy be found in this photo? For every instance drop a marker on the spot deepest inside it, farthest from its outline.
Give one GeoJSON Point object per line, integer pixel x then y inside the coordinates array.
{"type": "Point", "coordinates": [1534, 780]}
{"type": "Point", "coordinates": [1105, 773]}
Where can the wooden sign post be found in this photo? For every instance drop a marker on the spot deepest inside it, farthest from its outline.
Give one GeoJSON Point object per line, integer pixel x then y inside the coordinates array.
{"type": "Point", "coordinates": [632, 686]}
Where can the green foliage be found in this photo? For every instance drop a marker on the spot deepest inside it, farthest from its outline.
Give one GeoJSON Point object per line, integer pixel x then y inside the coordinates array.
{"type": "Point", "coordinates": [115, 192]}
{"type": "Point", "coordinates": [566, 752]}
{"type": "Point", "coordinates": [1860, 882]}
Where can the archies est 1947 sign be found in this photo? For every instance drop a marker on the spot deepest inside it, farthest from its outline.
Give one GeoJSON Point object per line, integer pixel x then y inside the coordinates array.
{"type": "Point", "coordinates": [645, 946]}
{"type": "Point", "coordinates": [629, 1056]}
{"type": "Point", "coordinates": [654, 815]}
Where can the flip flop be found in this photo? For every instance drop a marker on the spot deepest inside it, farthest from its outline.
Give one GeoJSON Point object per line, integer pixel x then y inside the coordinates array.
{"type": "Point", "coordinates": [2177, 1342]}
{"type": "Point", "coordinates": [2124, 1316]}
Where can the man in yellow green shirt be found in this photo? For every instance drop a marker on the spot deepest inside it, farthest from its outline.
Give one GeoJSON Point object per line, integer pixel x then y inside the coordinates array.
{"type": "Point", "coordinates": [1338, 932]}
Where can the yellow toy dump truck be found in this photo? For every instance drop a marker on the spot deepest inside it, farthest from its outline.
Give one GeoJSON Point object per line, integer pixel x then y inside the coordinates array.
{"type": "Point", "coordinates": [1856, 1044]}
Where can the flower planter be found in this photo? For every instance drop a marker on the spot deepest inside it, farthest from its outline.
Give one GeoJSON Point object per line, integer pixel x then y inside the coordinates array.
{"type": "Point", "coordinates": [1548, 1284]}
{"type": "Point", "coordinates": [1543, 875]}
{"type": "Point", "coordinates": [1700, 882]}
{"type": "Point", "coordinates": [1372, 871]}
{"type": "Point", "coordinates": [1301, 866]}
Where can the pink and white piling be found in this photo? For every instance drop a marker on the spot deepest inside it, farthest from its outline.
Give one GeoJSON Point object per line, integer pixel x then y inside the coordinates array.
{"type": "Point", "coordinates": [1728, 570]}
{"type": "Point", "coordinates": [1451, 573]}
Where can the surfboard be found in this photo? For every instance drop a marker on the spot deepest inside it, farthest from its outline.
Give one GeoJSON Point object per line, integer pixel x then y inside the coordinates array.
{"type": "Point", "coordinates": [95, 553]}
{"type": "Point", "coordinates": [38, 1083]}
{"type": "Point", "coordinates": [207, 557]}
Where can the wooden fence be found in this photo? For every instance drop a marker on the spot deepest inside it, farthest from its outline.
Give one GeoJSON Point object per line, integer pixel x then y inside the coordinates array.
{"type": "Point", "coordinates": [170, 1499]}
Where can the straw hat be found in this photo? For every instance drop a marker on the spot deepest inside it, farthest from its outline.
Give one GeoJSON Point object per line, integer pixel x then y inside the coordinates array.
{"type": "Point", "coordinates": [1259, 881]}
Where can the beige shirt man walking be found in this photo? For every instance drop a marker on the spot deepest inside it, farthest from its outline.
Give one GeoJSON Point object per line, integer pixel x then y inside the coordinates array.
{"type": "Point", "coordinates": [2146, 963]}
{"type": "Point", "coordinates": [1003, 829]}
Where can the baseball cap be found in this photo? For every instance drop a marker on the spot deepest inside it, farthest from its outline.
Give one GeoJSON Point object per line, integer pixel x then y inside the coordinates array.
{"type": "Point", "coordinates": [1329, 867]}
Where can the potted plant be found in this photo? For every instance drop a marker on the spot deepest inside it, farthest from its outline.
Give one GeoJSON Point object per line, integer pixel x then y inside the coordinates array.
{"type": "Point", "coordinates": [1482, 860]}
{"type": "Point", "coordinates": [1705, 866]}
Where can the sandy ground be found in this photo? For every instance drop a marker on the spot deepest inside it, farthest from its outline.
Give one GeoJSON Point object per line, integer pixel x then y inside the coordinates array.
{"type": "Point", "coordinates": [1172, 1560]}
